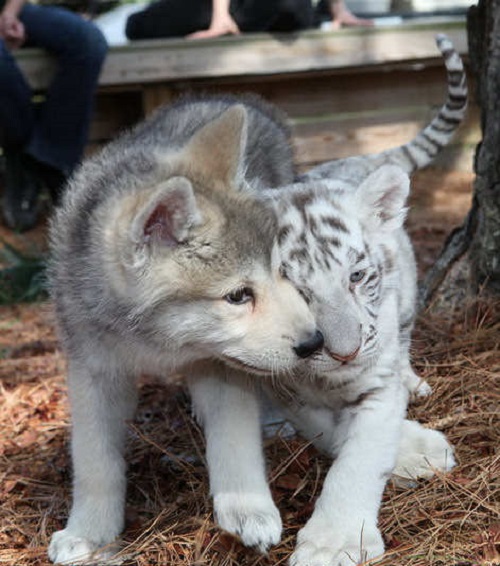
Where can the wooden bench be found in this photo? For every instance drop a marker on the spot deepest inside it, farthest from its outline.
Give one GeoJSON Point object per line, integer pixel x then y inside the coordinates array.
{"type": "Point", "coordinates": [346, 92]}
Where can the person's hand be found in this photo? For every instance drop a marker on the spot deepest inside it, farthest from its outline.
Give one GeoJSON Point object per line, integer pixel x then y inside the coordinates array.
{"type": "Point", "coordinates": [221, 25]}
{"type": "Point", "coordinates": [342, 16]}
{"type": "Point", "coordinates": [12, 30]}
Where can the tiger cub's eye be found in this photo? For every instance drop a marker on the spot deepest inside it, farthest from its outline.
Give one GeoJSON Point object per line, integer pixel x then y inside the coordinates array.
{"type": "Point", "coordinates": [357, 276]}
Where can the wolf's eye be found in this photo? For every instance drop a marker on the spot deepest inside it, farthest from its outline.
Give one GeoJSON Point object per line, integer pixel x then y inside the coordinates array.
{"type": "Point", "coordinates": [357, 276]}
{"type": "Point", "coordinates": [240, 296]}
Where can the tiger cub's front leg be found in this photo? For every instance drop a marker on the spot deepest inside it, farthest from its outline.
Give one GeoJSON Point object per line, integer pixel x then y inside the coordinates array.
{"type": "Point", "coordinates": [343, 528]}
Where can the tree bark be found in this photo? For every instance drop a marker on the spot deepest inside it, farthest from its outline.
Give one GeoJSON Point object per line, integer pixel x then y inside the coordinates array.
{"type": "Point", "coordinates": [483, 24]}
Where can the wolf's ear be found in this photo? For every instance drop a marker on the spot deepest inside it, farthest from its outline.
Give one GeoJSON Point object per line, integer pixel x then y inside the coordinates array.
{"type": "Point", "coordinates": [218, 147]}
{"type": "Point", "coordinates": [381, 198]}
{"type": "Point", "coordinates": [168, 215]}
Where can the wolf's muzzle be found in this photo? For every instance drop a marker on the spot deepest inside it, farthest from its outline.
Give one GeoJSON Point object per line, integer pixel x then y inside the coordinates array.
{"type": "Point", "coordinates": [313, 343]}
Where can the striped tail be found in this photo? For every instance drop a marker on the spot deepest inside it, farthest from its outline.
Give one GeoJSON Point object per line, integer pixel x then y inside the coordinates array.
{"type": "Point", "coordinates": [420, 151]}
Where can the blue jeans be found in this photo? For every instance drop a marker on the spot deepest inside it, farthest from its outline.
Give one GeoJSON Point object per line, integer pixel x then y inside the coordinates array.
{"type": "Point", "coordinates": [57, 131]}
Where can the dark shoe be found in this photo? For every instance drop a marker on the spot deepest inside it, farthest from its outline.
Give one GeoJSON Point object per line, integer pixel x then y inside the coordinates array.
{"type": "Point", "coordinates": [22, 188]}
{"type": "Point", "coordinates": [53, 179]}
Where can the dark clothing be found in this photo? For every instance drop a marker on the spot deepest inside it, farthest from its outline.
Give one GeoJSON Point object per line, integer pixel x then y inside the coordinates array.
{"type": "Point", "coordinates": [56, 132]}
{"type": "Point", "coordinates": [178, 18]}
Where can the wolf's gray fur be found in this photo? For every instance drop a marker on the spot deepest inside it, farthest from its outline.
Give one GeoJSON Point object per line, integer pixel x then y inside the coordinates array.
{"type": "Point", "coordinates": [159, 260]}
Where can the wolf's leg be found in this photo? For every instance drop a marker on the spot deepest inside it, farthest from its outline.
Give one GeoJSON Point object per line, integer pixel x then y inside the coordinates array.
{"type": "Point", "coordinates": [343, 528]}
{"type": "Point", "coordinates": [422, 451]}
{"type": "Point", "coordinates": [228, 409]}
{"type": "Point", "coordinates": [101, 402]}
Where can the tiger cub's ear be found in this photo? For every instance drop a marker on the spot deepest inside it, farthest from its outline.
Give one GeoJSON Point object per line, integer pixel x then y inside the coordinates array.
{"type": "Point", "coordinates": [381, 199]}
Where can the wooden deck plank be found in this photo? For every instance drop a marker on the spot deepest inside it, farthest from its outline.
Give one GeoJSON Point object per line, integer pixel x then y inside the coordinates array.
{"type": "Point", "coordinates": [256, 54]}
{"type": "Point", "coordinates": [346, 92]}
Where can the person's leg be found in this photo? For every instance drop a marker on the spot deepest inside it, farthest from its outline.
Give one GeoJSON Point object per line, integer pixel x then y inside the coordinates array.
{"type": "Point", "coordinates": [21, 188]}
{"type": "Point", "coordinates": [16, 109]}
{"type": "Point", "coordinates": [169, 18]}
{"type": "Point", "coordinates": [272, 16]}
{"type": "Point", "coordinates": [20, 202]}
{"type": "Point", "coordinates": [62, 125]}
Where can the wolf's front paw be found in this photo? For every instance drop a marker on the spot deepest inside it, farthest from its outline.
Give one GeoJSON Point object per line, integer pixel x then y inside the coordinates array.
{"type": "Point", "coordinates": [422, 451]}
{"type": "Point", "coordinates": [254, 518]}
{"type": "Point", "coordinates": [68, 548]}
{"type": "Point", "coordinates": [328, 546]}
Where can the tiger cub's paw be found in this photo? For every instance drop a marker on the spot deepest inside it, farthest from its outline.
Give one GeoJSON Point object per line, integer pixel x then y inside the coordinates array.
{"type": "Point", "coordinates": [329, 546]}
{"type": "Point", "coordinates": [422, 452]}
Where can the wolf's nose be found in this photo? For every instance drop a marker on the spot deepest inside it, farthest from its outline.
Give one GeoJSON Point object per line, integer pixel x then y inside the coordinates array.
{"type": "Point", "coordinates": [312, 344]}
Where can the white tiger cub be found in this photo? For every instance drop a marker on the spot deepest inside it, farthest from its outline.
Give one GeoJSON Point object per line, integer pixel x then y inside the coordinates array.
{"type": "Point", "coordinates": [343, 246]}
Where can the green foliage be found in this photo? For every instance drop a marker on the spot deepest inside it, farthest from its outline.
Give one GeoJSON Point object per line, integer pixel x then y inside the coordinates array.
{"type": "Point", "coordinates": [22, 279]}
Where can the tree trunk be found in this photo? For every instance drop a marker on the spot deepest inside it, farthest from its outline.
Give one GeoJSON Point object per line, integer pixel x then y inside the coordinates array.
{"type": "Point", "coordinates": [483, 25]}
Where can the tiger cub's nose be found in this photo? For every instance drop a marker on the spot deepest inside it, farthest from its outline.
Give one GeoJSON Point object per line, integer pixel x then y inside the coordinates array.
{"type": "Point", "coordinates": [313, 343]}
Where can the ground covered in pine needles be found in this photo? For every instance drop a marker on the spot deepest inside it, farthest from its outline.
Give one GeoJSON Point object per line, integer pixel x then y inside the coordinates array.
{"type": "Point", "coordinates": [451, 520]}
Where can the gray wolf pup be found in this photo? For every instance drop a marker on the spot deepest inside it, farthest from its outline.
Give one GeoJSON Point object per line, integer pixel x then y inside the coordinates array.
{"type": "Point", "coordinates": [161, 259]}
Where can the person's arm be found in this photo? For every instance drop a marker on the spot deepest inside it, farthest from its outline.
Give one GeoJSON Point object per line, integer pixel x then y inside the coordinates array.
{"type": "Point", "coordinates": [11, 28]}
{"type": "Point", "coordinates": [342, 16]}
{"type": "Point", "coordinates": [222, 23]}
